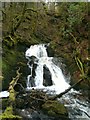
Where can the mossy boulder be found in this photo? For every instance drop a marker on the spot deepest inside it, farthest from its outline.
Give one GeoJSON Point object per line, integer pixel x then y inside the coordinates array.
{"type": "Point", "coordinates": [55, 108]}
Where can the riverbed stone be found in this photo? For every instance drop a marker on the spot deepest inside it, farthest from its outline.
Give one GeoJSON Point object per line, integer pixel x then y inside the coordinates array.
{"type": "Point", "coordinates": [54, 108]}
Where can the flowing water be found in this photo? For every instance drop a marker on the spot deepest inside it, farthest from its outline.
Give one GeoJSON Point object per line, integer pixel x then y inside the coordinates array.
{"type": "Point", "coordinates": [4, 94]}
{"type": "Point", "coordinates": [54, 81]}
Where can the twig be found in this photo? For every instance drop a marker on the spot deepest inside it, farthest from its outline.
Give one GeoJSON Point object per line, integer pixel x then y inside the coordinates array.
{"type": "Point", "coordinates": [74, 38]}
{"type": "Point", "coordinates": [80, 66]}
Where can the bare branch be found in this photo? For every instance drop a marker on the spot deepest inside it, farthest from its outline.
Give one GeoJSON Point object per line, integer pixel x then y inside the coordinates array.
{"type": "Point", "coordinates": [66, 91]}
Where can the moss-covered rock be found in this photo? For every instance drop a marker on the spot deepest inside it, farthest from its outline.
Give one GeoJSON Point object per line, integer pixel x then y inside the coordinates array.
{"type": "Point", "coordinates": [55, 108]}
{"type": "Point", "coordinates": [8, 114]}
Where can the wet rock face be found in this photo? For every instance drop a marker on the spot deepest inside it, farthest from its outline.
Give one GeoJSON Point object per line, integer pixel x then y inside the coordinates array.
{"type": "Point", "coordinates": [32, 82]}
{"type": "Point", "coordinates": [32, 59]}
{"type": "Point", "coordinates": [32, 63]}
{"type": "Point", "coordinates": [50, 51]}
{"type": "Point", "coordinates": [33, 70]}
{"type": "Point", "coordinates": [47, 78]}
{"type": "Point", "coordinates": [32, 67]}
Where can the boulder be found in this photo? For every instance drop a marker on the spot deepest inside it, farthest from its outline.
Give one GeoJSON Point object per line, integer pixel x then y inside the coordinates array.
{"type": "Point", "coordinates": [50, 51]}
{"type": "Point", "coordinates": [55, 108]}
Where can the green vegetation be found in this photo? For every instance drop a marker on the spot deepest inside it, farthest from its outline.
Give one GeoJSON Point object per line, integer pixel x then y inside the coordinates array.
{"type": "Point", "coordinates": [65, 25]}
{"type": "Point", "coordinates": [54, 108]}
{"type": "Point", "coordinates": [8, 114]}
{"type": "Point", "coordinates": [9, 103]}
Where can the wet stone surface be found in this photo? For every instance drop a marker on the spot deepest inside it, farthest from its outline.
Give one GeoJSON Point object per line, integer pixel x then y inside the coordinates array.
{"type": "Point", "coordinates": [35, 105]}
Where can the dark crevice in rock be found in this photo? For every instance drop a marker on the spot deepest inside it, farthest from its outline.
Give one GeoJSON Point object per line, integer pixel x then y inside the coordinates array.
{"type": "Point", "coordinates": [47, 77]}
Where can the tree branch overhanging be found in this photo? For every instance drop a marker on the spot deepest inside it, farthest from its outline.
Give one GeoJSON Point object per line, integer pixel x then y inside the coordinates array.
{"type": "Point", "coordinates": [66, 91]}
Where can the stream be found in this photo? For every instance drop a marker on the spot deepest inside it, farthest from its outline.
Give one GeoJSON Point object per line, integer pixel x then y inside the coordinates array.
{"type": "Point", "coordinates": [46, 74]}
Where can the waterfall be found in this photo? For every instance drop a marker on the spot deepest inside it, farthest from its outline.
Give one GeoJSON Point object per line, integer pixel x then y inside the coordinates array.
{"type": "Point", "coordinates": [46, 75]}
{"type": "Point", "coordinates": [40, 54]}
{"type": "Point", "coordinates": [4, 94]}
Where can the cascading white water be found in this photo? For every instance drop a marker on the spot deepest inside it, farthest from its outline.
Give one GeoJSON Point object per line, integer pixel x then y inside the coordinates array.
{"type": "Point", "coordinates": [37, 51]}
{"type": "Point", "coordinates": [77, 109]}
{"type": "Point", "coordinates": [59, 83]}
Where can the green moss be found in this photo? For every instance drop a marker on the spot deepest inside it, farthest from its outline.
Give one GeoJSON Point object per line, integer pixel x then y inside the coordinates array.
{"type": "Point", "coordinates": [8, 114]}
{"type": "Point", "coordinates": [8, 111]}
{"type": "Point", "coordinates": [12, 95]}
{"type": "Point", "coordinates": [51, 112]}
{"type": "Point", "coordinates": [54, 108]}
{"type": "Point", "coordinates": [10, 117]}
